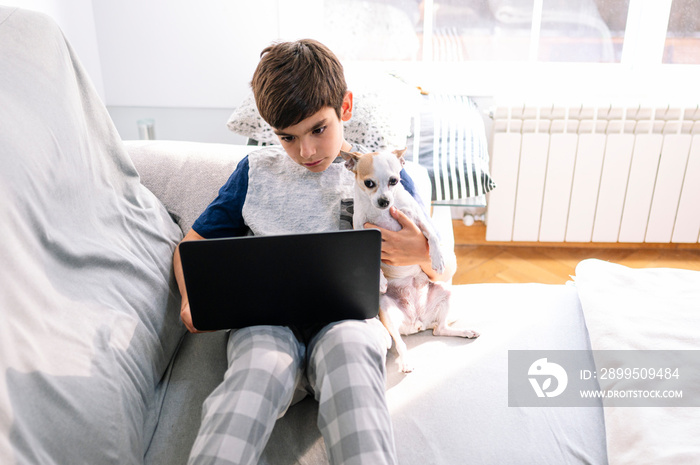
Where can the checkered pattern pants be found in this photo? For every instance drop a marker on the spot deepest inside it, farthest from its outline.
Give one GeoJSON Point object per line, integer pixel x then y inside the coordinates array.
{"type": "Point", "coordinates": [343, 365]}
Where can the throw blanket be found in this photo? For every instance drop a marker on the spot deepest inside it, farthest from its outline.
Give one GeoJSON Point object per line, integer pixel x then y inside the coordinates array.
{"type": "Point", "coordinates": [89, 314]}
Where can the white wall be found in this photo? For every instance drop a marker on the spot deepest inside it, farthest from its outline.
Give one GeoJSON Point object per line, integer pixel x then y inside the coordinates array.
{"type": "Point", "coordinates": [185, 63]}
{"type": "Point", "coordinates": [181, 53]}
{"type": "Point", "coordinates": [194, 124]}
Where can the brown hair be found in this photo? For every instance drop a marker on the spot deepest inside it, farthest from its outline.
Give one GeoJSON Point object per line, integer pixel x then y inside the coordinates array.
{"type": "Point", "coordinates": [294, 80]}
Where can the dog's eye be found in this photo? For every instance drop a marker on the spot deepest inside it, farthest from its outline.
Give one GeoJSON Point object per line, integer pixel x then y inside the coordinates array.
{"type": "Point", "coordinates": [393, 181]}
{"type": "Point", "coordinates": [369, 183]}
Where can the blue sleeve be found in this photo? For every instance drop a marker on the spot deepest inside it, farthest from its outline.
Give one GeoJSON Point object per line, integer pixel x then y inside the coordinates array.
{"type": "Point", "coordinates": [408, 184]}
{"type": "Point", "coordinates": [224, 216]}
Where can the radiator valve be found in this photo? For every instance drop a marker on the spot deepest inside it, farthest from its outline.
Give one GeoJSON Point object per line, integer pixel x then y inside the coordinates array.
{"type": "Point", "coordinates": [469, 219]}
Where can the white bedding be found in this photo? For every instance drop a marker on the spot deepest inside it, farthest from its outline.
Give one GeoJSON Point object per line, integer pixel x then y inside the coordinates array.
{"type": "Point", "coordinates": [645, 309]}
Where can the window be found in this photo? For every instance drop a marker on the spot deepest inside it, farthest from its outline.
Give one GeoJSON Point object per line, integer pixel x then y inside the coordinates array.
{"type": "Point", "coordinates": [588, 31]}
{"type": "Point", "coordinates": [682, 44]}
{"type": "Point", "coordinates": [486, 47]}
{"type": "Point", "coordinates": [552, 31]}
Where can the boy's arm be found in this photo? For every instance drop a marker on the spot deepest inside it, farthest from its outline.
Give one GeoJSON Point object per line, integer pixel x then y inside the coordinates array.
{"type": "Point", "coordinates": [185, 315]}
{"type": "Point", "coordinates": [409, 246]}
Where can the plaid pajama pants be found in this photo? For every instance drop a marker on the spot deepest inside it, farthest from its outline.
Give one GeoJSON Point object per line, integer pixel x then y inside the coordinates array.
{"type": "Point", "coordinates": [343, 365]}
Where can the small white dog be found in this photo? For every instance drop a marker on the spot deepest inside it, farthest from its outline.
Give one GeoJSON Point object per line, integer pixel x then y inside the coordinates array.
{"type": "Point", "coordinates": [410, 302]}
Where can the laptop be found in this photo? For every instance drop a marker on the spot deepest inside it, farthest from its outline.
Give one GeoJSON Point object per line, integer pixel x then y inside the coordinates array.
{"type": "Point", "coordinates": [298, 279]}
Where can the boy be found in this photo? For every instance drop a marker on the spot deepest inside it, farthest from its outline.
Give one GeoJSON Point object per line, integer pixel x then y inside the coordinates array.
{"type": "Point", "coordinates": [300, 91]}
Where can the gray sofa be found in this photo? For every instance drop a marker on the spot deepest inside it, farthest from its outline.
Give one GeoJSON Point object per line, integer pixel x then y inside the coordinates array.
{"type": "Point", "coordinates": [96, 366]}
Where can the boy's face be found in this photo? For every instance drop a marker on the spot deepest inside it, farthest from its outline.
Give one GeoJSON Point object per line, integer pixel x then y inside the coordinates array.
{"type": "Point", "coordinates": [317, 140]}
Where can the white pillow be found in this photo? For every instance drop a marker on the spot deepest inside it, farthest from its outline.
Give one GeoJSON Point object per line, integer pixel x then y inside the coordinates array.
{"type": "Point", "coordinates": [644, 309]}
{"type": "Point", "coordinates": [382, 109]}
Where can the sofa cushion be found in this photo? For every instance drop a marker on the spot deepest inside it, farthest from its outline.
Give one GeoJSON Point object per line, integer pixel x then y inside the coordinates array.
{"type": "Point", "coordinates": [90, 312]}
{"type": "Point", "coordinates": [185, 176]}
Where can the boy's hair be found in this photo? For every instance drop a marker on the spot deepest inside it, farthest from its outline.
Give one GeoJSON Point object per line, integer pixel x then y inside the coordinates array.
{"type": "Point", "coordinates": [294, 80]}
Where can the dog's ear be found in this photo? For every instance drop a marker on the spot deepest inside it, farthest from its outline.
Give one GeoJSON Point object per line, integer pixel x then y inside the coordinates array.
{"type": "Point", "coordinates": [399, 155]}
{"type": "Point", "coordinates": [351, 159]}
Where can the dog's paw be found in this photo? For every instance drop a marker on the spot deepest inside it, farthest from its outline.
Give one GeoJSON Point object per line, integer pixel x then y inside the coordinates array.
{"type": "Point", "coordinates": [444, 330]}
{"type": "Point", "coordinates": [437, 263]}
{"type": "Point", "coordinates": [404, 365]}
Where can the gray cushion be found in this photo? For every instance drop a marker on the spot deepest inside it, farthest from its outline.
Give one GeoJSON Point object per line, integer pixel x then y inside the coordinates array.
{"type": "Point", "coordinates": [185, 176]}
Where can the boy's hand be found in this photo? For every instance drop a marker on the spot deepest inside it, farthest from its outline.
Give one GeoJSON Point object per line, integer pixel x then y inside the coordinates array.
{"type": "Point", "coordinates": [408, 246]}
{"type": "Point", "coordinates": [185, 314]}
{"type": "Point", "coordinates": [186, 318]}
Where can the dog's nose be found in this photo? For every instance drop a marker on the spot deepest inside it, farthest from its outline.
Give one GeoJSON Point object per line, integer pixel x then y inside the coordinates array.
{"type": "Point", "coordinates": [382, 202]}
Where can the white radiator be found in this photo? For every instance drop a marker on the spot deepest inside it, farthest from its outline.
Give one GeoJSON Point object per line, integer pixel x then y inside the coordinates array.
{"type": "Point", "coordinates": [595, 175]}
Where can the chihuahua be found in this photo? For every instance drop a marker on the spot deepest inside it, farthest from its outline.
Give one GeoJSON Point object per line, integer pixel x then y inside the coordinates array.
{"type": "Point", "coordinates": [410, 302]}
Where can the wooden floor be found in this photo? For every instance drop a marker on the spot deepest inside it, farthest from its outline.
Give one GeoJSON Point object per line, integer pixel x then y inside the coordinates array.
{"type": "Point", "coordinates": [479, 261]}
